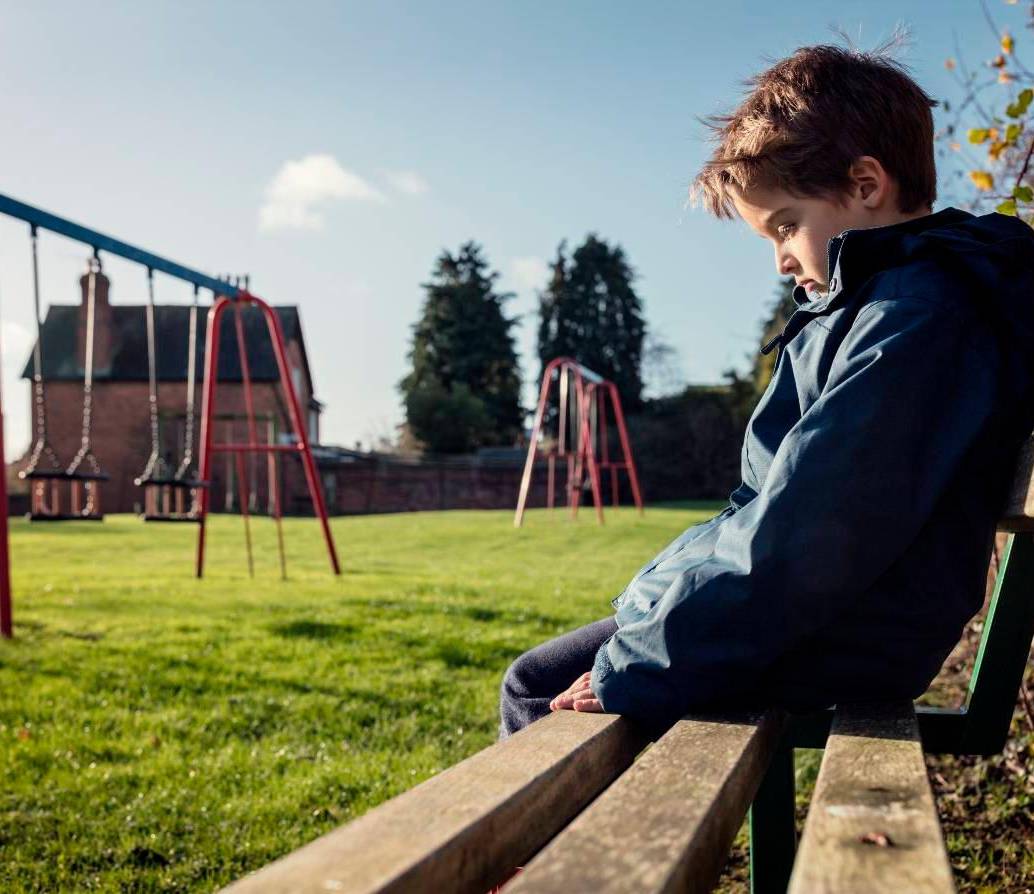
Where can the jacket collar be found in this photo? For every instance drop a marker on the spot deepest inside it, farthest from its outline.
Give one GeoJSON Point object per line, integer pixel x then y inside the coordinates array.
{"type": "Point", "coordinates": [872, 249]}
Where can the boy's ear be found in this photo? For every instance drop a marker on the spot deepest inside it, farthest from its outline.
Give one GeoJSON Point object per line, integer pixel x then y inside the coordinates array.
{"type": "Point", "coordinates": [872, 183]}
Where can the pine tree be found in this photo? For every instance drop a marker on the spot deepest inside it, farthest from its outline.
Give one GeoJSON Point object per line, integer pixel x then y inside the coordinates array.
{"type": "Point", "coordinates": [590, 311]}
{"type": "Point", "coordinates": [464, 388]}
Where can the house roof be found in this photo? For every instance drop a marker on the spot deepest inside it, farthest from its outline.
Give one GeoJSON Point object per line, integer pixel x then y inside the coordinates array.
{"type": "Point", "coordinates": [172, 330]}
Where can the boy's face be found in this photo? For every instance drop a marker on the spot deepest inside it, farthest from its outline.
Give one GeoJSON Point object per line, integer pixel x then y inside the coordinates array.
{"type": "Point", "coordinates": [799, 229]}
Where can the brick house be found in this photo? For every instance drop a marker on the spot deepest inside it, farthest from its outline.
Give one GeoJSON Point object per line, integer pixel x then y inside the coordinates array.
{"type": "Point", "coordinates": [121, 423]}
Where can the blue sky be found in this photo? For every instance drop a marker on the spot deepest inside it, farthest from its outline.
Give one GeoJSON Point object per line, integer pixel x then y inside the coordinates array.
{"type": "Point", "coordinates": [331, 150]}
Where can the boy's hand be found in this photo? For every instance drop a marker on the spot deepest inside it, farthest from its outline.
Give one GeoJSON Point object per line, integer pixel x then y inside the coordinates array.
{"type": "Point", "coordinates": [577, 697]}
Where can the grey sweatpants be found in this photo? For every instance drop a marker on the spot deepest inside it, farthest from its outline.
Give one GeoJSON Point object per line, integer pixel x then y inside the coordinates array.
{"type": "Point", "coordinates": [542, 673]}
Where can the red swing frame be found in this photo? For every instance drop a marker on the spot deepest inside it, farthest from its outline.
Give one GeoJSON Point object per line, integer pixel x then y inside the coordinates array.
{"type": "Point", "coordinates": [591, 390]}
{"type": "Point", "coordinates": [301, 446]}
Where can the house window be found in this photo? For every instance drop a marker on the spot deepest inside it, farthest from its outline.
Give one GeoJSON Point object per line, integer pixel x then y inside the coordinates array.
{"type": "Point", "coordinates": [314, 426]}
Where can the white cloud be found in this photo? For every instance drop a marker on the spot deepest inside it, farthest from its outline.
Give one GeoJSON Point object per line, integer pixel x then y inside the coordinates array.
{"type": "Point", "coordinates": [409, 183]}
{"type": "Point", "coordinates": [530, 273]}
{"type": "Point", "coordinates": [296, 196]}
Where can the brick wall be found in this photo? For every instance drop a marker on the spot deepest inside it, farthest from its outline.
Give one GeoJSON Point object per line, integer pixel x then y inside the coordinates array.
{"type": "Point", "coordinates": [384, 484]}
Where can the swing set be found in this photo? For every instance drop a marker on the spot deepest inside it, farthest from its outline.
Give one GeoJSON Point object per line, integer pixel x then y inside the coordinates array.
{"type": "Point", "coordinates": [44, 471]}
{"type": "Point", "coordinates": [582, 441]}
{"type": "Point", "coordinates": [180, 495]}
{"type": "Point", "coordinates": [170, 495]}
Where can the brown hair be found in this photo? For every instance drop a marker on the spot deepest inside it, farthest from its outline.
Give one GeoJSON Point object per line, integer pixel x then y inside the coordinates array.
{"type": "Point", "coordinates": [810, 116]}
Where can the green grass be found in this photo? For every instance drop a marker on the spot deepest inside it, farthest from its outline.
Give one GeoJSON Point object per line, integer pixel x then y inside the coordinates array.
{"type": "Point", "coordinates": [158, 733]}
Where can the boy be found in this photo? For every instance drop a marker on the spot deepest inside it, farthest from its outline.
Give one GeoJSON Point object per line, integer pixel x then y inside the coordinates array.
{"type": "Point", "coordinates": [876, 463]}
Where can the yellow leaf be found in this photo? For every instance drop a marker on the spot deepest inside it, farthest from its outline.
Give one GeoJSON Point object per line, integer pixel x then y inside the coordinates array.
{"type": "Point", "coordinates": [997, 62]}
{"type": "Point", "coordinates": [1007, 42]}
{"type": "Point", "coordinates": [996, 149]}
{"type": "Point", "coordinates": [982, 180]}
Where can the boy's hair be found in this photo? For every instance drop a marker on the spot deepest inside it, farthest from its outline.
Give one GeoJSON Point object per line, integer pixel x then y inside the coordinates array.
{"type": "Point", "coordinates": [810, 116]}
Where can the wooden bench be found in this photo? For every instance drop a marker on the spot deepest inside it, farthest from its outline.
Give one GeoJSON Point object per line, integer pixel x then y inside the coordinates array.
{"type": "Point", "coordinates": [585, 804]}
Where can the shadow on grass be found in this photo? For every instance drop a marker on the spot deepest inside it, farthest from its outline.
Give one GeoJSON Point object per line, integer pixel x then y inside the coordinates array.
{"type": "Point", "coordinates": [474, 612]}
{"type": "Point", "coordinates": [313, 630]}
{"type": "Point", "coordinates": [456, 655]}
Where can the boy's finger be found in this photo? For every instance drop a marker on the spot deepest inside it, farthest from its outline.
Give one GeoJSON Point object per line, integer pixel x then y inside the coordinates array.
{"type": "Point", "coordinates": [567, 699]}
{"type": "Point", "coordinates": [590, 705]}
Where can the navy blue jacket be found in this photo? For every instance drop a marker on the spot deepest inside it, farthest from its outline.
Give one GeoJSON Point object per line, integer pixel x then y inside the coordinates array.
{"type": "Point", "coordinates": [874, 469]}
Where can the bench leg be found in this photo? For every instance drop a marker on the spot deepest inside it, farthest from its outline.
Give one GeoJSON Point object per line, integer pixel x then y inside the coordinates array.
{"type": "Point", "coordinates": [773, 837]}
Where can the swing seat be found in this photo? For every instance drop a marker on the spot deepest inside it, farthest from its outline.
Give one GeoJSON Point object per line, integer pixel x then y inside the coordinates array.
{"type": "Point", "coordinates": [76, 481]}
{"type": "Point", "coordinates": [62, 475]}
{"type": "Point", "coordinates": [165, 498]}
{"type": "Point", "coordinates": [61, 517]}
{"type": "Point", "coordinates": [162, 481]}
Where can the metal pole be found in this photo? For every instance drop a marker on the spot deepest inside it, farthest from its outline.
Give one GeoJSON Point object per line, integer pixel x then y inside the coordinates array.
{"type": "Point", "coordinates": [298, 421]}
{"type": "Point", "coordinates": [242, 489]}
{"type": "Point", "coordinates": [773, 833]}
{"type": "Point", "coordinates": [626, 447]}
{"type": "Point", "coordinates": [536, 430]}
{"type": "Point", "coordinates": [588, 450]}
{"type": "Point", "coordinates": [37, 217]}
{"type": "Point", "coordinates": [246, 489]}
{"type": "Point", "coordinates": [273, 472]}
{"type": "Point", "coordinates": [207, 421]}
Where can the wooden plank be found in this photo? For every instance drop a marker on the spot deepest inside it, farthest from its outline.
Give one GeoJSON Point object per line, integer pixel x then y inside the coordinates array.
{"type": "Point", "coordinates": [668, 822]}
{"type": "Point", "coordinates": [468, 827]}
{"type": "Point", "coordinates": [1019, 508]}
{"type": "Point", "coordinates": [872, 825]}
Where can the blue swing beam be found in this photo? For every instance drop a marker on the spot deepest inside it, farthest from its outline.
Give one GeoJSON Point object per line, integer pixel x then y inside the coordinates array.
{"type": "Point", "coordinates": [44, 220]}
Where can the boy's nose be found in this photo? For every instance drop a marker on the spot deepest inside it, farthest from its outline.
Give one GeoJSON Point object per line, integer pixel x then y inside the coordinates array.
{"type": "Point", "coordinates": [786, 264]}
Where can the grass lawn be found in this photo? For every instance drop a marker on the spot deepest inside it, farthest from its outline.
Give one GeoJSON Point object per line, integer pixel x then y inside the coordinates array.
{"type": "Point", "coordinates": [163, 734]}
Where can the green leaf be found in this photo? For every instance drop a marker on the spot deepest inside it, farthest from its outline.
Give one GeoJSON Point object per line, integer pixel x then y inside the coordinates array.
{"type": "Point", "coordinates": [1012, 132]}
{"type": "Point", "coordinates": [1023, 194]}
{"type": "Point", "coordinates": [978, 135]}
{"type": "Point", "coordinates": [1022, 103]}
{"type": "Point", "coordinates": [1007, 207]}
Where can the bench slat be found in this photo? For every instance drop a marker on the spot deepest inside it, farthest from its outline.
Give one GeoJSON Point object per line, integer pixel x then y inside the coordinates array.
{"type": "Point", "coordinates": [873, 825]}
{"type": "Point", "coordinates": [668, 822]}
{"type": "Point", "coordinates": [1019, 510]}
{"type": "Point", "coordinates": [466, 828]}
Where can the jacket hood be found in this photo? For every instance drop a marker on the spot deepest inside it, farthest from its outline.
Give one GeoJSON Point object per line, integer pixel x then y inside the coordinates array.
{"type": "Point", "coordinates": [990, 256]}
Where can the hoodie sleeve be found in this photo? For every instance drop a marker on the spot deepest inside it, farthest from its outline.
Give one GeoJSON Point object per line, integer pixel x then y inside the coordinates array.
{"type": "Point", "coordinates": [850, 486]}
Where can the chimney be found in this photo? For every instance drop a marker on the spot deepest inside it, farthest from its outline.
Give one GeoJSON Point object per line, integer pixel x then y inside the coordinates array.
{"type": "Point", "coordinates": [102, 320]}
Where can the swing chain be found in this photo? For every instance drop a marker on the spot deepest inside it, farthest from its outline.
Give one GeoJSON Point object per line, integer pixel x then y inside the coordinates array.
{"type": "Point", "coordinates": [188, 432]}
{"type": "Point", "coordinates": [155, 467]}
{"type": "Point", "coordinates": [85, 452]}
{"type": "Point", "coordinates": [41, 447]}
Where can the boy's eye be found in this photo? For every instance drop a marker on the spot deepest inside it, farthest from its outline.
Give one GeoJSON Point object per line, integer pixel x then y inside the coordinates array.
{"type": "Point", "coordinates": [785, 229]}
